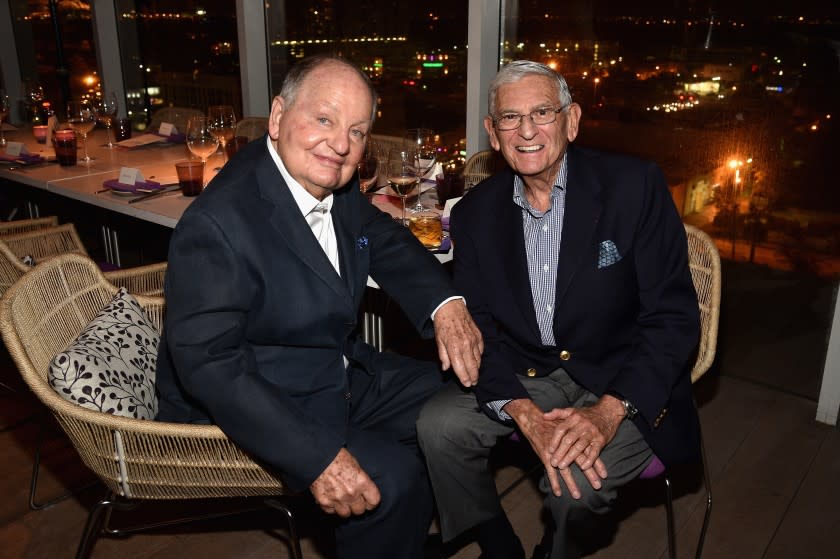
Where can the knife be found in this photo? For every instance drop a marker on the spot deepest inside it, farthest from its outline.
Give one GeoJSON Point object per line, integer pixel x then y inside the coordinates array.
{"type": "Point", "coordinates": [165, 188]}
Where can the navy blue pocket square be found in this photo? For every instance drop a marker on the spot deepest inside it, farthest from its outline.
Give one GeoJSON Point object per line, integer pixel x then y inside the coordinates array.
{"type": "Point", "coordinates": [607, 254]}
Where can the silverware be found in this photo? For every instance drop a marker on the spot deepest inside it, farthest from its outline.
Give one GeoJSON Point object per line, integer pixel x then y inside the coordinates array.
{"type": "Point", "coordinates": [164, 189]}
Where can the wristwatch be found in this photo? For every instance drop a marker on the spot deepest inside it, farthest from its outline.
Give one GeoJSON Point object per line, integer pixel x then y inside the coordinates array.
{"type": "Point", "coordinates": [630, 410]}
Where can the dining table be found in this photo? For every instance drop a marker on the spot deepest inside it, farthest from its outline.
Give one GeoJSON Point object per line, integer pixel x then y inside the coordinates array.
{"type": "Point", "coordinates": [117, 214]}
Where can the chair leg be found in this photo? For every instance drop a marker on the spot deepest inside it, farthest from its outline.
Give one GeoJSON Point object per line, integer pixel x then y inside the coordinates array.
{"type": "Point", "coordinates": [93, 526]}
{"type": "Point", "coordinates": [36, 468]}
{"type": "Point", "coordinates": [669, 519]}
{"type": "Point", "coordinates": [707, 482]}
{"type": "Point", "coordinates": [294, 539]}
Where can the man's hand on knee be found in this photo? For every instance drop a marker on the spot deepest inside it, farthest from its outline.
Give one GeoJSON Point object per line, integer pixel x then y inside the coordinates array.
{"type": "Point", "coordinates": [344, 488]}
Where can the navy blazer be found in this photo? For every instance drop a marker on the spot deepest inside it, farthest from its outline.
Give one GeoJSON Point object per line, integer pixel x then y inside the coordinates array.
{"type": "Point", "coordinates": [628, 325]}
{"type": "Point", "coordinates": [258, 320]}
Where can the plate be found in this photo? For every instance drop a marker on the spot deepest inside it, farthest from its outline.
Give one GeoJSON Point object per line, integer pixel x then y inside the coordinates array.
{"type": "Point", "coordinates": [131, 189]}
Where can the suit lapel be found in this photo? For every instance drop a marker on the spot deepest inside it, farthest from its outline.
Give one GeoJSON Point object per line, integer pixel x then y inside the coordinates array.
{"type": "Point", "coordinates": [293, 229]}
{"type": "Point", "coordinates": [583, 210]}
{"type": "Point", "coordinates": [512, 246]}
{"type": "Point", "coordinates": [342, 221]}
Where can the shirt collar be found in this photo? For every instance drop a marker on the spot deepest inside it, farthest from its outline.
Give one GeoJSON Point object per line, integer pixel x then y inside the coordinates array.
{"type": "Point", "coordinates": [305, 201]}
{"type": "Point", "coordinates": [559, 185]}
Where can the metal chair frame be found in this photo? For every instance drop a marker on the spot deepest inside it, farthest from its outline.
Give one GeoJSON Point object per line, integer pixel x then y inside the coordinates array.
{"type": "Point", "coordinates": [704, 262]}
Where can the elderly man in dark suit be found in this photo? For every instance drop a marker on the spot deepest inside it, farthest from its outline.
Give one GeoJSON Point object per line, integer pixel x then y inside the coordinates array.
{"type": "Point", "coordinates": [574, 266]}
{"type": "Point", "coordinates": [267, 269]}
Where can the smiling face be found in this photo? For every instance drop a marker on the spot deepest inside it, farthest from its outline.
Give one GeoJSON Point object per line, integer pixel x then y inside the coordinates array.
{"type": "Point", "coordinates": [320, 135]}
{"type": "Point", "coordinates": [533, 151]}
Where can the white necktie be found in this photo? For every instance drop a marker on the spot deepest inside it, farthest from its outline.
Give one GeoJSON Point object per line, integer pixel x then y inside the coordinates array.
{"type": "Point", "coordinates": [320, 221]}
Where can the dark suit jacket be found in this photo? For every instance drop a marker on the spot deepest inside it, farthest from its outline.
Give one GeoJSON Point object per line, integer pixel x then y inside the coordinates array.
{"type": "Point", "coordinates": [258, 320]}
{"type": "Point", "coordinates": [630, 327]}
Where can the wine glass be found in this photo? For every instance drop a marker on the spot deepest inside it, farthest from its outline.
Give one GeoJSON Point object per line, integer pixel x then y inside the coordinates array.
{"type": "Point", "coordinates": [201, 140]}
{"type": "Point", "coordinates": [222, 125]}
{"type": "Point", "coordinates": [106, 112]}
{"type": "Point", "coordinates": [369, 166]}
{"type": "Point", "coordinates": [401, 171]}
{"type": "Point", "coordinates": [82, 118]}
{"type": "Point", "coordinates": [423, 139]}
{"type": "Point", "coordinates": [4, 112]}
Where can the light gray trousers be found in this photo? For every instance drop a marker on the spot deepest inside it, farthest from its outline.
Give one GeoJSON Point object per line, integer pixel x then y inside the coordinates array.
{"type": "Point", "coordinates": [457, 437]}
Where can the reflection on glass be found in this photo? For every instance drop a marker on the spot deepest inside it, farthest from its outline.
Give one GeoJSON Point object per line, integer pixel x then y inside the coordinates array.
{"type": "Point", "coordinates": [401, 172]}
{"type": "Point", "coordinates": [200, 138]}
{"type": "Point", "coordinates": [82, 118]}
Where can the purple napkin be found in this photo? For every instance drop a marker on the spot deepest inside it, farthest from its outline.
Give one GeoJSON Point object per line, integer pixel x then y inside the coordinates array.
{"type": "Point", "coordinates": [136, 188]}
{"type": "Point", "coordinates": [444, 221]}
{"type": "Point", "coordinates": [445, 245]}
{"type": "Point", "coordinates": [173, 138]}
{"type": "Point", "coordinates": [22, 159]}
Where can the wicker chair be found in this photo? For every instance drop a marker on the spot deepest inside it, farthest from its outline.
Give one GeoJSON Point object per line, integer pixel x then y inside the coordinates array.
{"type": "Point", "coordinates": [252, 127]}
{"type": "Point", "coordinates": [704, 262]}
{"type": "Point", "coordinates": [137, 460]}
{"type": "Point", "coordinates": [44, 243]}
{"type": "Point", "coordinates": [24, 225]}
{"type": "Point", "coordinates": [478, 167]}
{"type": "Point", "coordinates": [43, 239]}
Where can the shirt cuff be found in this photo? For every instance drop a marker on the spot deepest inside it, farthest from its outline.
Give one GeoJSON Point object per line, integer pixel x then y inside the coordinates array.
{"type": "Point", "coordinates": [437, 308]}
{"type": "Point", "coordinates": [496, 407]}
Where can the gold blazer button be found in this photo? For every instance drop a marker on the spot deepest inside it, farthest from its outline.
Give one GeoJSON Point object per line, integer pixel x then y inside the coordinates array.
{"type": "Point", "coordinates": [565, 355]}
{"type": "Point", "coordinates": [532, 372]}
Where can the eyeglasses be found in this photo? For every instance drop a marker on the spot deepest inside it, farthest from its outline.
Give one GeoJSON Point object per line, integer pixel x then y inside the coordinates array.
{"type": "Point", "coordinates": [512, 121]}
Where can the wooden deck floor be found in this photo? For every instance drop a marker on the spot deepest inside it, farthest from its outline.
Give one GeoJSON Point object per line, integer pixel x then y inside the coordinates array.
{"type": "Point", "coordinates": [775, 471]}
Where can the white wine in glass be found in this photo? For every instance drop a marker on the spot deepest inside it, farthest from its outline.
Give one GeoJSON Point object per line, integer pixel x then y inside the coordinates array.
{"type": "Point", "coordinates": [82, 118]}
{"type": "Point", "coordinates": [106, 112]}
{"type": "Point", "coordinates": [401, 171]}
{"type": "Point", "coordinates": [223, 125]}
{"type": "Point", "coordinates": [200, 139]}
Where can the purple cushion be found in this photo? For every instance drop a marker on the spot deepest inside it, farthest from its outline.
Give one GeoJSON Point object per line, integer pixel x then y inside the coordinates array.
{"type": "Point", "coordinates": [107, 266]}
{"type": "Point", "coordinates": [654, 469]}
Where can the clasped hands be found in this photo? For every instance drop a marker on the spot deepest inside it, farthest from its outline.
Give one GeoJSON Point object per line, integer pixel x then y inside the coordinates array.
{"type": "Point", "coordinates": [565, 436]}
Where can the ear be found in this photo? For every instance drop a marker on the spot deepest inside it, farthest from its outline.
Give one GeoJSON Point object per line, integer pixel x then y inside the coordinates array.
{"type": "Point", "coordinates": [278, 106]}
{"type": "Point", "coordinates": [572, 122]}
{"type": "Point", "coordinates": [491, 133]}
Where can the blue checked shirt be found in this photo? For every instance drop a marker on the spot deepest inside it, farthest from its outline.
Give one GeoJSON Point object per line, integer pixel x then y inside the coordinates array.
{"type": "Point", "coordinates": [543, 231]}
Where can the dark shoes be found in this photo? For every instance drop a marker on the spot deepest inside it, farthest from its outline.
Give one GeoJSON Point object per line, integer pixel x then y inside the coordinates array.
{"type": "Point", "coordinates": [541, 552]}
{"type": "Point", "coordinates": [433, 548]}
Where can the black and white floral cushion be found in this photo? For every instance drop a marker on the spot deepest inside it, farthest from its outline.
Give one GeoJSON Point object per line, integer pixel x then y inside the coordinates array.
{"type": "Point", "coordinates": [111, 366]}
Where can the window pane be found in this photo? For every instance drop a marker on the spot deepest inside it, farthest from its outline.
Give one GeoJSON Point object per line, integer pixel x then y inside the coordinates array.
{"type": "Point", "coordinates": [179, 53]}
{"type": "Point", "coordinates": [57, 62]}
{"type": "Point", "coordinates": [414, 52]}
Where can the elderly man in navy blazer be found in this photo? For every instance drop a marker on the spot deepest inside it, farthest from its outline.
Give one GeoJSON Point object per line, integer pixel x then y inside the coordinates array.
{"type": "Point", "coordinates": [267, 269]}
{"type": "Point", "coordinates": [574, 266]}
